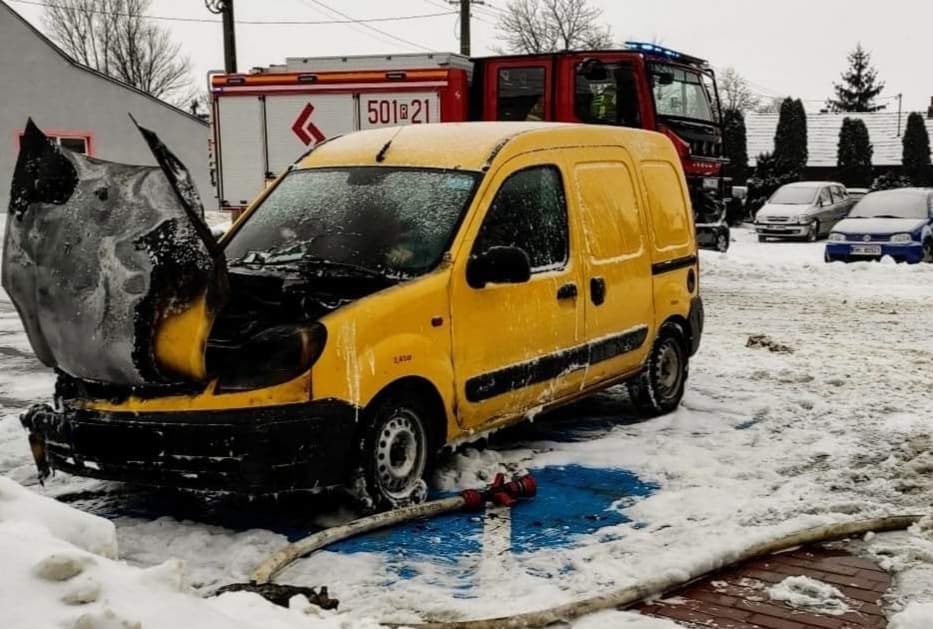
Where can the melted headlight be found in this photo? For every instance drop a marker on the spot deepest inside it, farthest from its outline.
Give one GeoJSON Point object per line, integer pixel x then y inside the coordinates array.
{"type": "Point", "coordinates": [272, 356]}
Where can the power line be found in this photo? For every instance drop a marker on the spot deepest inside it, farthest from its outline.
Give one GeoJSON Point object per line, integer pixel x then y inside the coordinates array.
{"type": "Point", "coordinates": [289, 22]}
{"type": "Point", "coordinates": [476, 15]}
{"type": "Point", "coordinates": [366, 25]}
{"type": "Point", "coordinates": [491, 7]}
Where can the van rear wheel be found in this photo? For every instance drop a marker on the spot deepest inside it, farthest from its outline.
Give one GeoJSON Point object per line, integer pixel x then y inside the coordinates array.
{"type": "Point", "coordinates": [660, 386]}
{"type": "Point", "coordinates": [396, 452]}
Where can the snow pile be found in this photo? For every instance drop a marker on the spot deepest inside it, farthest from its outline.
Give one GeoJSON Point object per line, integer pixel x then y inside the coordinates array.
{"type": "Point", "coordinates": [809, 594]}
{"type": "Point", "coordinates": [915, 616]}
{"type": "Point", "coordinates": [23, 508]}
{"type": "Point", "coordinates": [59, 571]}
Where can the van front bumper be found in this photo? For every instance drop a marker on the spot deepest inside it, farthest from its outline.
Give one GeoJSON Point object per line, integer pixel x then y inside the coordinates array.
{"type": "Point", "coordinates": [250, 451]}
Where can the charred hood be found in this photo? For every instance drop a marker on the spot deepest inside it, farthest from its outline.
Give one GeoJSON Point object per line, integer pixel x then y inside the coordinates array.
{"type": "Point", "coordinates": [100, 257]}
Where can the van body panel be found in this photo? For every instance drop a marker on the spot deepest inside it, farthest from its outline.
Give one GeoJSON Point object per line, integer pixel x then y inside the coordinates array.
{"type": "Point", "coordinates": [403, 331]}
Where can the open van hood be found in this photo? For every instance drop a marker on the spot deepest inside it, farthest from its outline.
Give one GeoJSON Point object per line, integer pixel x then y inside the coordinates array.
{"type": "Point", "coordinates": [113, 272]}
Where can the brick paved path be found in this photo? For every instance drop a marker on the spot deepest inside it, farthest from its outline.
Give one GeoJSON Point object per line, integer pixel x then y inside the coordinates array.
{"type": "Point", "coordinates": [738, 598]}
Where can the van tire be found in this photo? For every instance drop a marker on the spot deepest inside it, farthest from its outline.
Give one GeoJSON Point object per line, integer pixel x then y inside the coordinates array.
{"type": "Point", "coordinates": [927, 250]}
{"type": "Point", "coordinates": [396, 452]}
{"type": "Point", "coordinates": [660, 386]}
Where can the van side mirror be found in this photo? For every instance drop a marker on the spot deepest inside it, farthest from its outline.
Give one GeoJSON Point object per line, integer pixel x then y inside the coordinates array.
{"type": "Point", "coordinates": [498, 265]}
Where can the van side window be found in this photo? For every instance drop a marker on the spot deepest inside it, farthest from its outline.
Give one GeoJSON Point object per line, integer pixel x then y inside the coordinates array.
{"type": "Point", "coordinates": [520, 94]}
{"type": "Point", "coordinates": [530, 212]}
{"type": "Point", "coordinates": [825, 197]}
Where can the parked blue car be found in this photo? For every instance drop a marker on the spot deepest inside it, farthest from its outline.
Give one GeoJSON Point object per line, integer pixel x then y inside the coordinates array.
{"type": "Point", "coordinates": [896, 223]}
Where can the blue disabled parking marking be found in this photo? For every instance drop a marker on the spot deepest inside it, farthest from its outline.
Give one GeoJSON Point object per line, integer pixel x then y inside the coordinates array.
{"type": "Point", "coordinates": [572, 501]}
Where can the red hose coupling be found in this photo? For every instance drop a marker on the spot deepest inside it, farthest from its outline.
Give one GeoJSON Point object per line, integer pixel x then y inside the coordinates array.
{"type": "Point", "coordinates": [472, 500]}
{"type": "Point", "coordinates": [500, 492]}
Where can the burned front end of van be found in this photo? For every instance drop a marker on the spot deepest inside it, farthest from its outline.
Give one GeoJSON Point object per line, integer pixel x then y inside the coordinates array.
{"type": "Point", "coordinates": [124, 292]}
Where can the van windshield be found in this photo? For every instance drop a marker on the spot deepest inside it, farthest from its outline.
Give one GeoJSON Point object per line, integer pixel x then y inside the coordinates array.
{"type": "Point", "coordinates": [394, 221]}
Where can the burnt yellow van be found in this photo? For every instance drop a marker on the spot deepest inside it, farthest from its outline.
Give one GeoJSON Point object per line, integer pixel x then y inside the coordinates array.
{"type": "Point", "coordinates": [400, 290]}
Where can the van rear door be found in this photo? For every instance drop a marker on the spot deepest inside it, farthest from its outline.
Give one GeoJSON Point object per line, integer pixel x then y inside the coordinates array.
{"type": "Point", "coordinates": [617, 287]}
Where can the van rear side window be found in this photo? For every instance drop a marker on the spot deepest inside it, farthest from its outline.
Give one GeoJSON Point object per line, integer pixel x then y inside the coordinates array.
{"type": "Point", "coordinates": [609, 210]}
{"type": "Point", "coordinates": [666, 197]}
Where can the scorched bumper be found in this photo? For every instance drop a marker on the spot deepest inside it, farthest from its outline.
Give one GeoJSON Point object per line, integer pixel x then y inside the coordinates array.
{"type": "Point", "coordinates": [300, 446]}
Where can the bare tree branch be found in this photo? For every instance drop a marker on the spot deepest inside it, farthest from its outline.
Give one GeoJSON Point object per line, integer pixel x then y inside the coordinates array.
{"type": "Point", "coordinates": [114, 37]}
{"type": "Point", "coordinates": [540, 26]}
{"type": "Point", "coordinates": [735, 92]}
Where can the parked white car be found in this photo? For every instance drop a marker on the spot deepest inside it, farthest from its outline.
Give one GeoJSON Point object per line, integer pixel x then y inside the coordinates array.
{"type": "Point", "coordinates": [807, 209]}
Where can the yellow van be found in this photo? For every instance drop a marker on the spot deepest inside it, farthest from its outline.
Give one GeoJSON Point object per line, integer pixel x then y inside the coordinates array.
{"type": "Point", "coordinates": [401, 290]}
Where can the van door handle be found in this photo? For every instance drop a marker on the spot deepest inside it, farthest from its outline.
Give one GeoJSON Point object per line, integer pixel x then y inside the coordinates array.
{"type": "Point", "coordinates": [598, 290]}
{"type": "Point", "coordinates": [567, 291]}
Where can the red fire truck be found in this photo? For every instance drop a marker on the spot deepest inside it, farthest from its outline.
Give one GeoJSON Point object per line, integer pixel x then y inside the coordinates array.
{"type": "Point", "coordinates": [266, 119]}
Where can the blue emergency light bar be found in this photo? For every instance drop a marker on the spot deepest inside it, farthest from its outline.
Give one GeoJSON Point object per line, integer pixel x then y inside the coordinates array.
{"type": "Point", "coordinates": [661, 51]}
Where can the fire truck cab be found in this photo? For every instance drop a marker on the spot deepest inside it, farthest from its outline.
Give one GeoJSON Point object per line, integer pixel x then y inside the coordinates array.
{"type": "Point", "coordinates": [267, 119]}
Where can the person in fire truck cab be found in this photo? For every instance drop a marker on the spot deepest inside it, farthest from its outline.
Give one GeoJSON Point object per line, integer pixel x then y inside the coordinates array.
{"type": "Point", "coordinates": [607, 94]}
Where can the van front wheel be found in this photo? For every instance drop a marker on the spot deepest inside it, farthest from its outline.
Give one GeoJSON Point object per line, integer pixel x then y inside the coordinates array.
{"type": "Point", "coordinates": [660, 386]}
{"type": "Point", "coordinates": [396, 455]}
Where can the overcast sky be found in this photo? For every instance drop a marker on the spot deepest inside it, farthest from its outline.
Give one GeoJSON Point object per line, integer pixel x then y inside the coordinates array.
{"type": "Point", "coordinates": [791, 47]}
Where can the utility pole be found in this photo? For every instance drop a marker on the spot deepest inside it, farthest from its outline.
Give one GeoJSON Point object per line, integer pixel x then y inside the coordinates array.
{"type": "Point", "coordinates": [465, 24]}
{"type": "Point", "coordinates": [900, 102]}
{"type": "Point", "coordinates": [224, 8]}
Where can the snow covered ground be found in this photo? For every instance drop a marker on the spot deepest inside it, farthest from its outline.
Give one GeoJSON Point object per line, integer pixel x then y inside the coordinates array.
{"type": "Point", "coordinates": [765, 443]}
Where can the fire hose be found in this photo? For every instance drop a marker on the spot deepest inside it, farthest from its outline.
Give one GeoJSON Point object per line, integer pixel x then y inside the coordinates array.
{"type": "Point", "coordinates": [632, 595]}
{"type": "Point", "coordinates": [505, 493]}
{"type": "Point", "coordinates": [500, 493]}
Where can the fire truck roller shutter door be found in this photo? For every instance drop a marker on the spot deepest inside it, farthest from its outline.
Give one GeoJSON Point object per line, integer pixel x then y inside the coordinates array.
{"type": "Point", "coordinates": [292, 127]}
{"type": "Point", "coordinates": [241, 154]}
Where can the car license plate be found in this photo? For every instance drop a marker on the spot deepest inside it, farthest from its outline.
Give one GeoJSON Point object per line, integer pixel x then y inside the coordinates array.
{"type": "Point", "coordinates": [866, 250]}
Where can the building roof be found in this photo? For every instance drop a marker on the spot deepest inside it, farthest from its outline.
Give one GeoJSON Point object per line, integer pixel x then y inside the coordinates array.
{"type": "Point", "coordinates": [90, 70]}
{"type": "Point", "coordinates": [823, 136]}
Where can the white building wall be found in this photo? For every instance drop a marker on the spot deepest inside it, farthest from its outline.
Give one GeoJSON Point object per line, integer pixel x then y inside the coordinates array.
{"type": "Point", "coordinates": [37, 81]}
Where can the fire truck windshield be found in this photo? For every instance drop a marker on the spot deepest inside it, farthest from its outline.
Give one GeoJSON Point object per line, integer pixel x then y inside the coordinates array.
{"type": "Point", "coordinates": [394, 221]}
{"type": "Point", "coordinates": [681, 93]}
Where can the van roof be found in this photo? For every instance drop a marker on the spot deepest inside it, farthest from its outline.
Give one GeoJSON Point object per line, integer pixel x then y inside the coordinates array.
{"type": "Point", "coordinates": [473, 145]}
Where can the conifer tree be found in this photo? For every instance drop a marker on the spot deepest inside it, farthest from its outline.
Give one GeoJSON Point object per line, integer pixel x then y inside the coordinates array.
{"type": "Point", "coordinates": [860, 85]}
